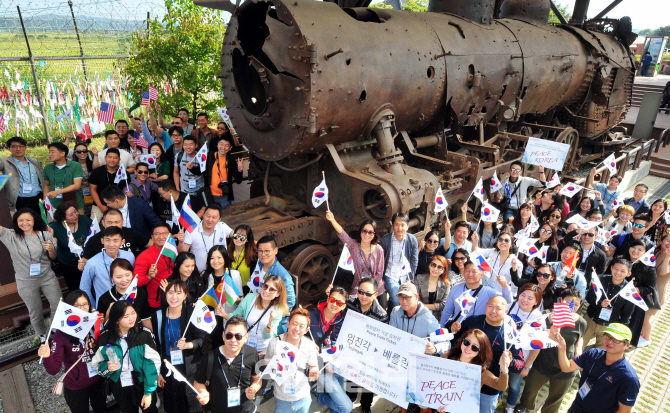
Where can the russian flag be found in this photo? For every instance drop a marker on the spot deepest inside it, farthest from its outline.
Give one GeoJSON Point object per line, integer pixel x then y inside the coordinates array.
{"type": "Point", "coordinates": [187, 218]}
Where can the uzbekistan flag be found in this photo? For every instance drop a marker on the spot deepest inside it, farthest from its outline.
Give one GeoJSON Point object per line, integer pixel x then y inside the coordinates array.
{"type": "Point", "coordinates": [229, 287]}
{"type": "Point", "coordinates": [187, 218]}
{"type": "Point", "coordinates": [170, 248]}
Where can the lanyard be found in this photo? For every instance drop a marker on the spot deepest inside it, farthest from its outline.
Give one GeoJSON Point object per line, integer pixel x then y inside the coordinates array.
{"type": "Point", "coordinates": [497, 272]}
{"type": "Point", "coordinates": [601, 376]}
{"type": "Point", "coordinates": [366, 260]}
{"type": "Point", "coordinates": [169, 330]}
{"type": "Point", "coordinates": [218, 166]}
{"type": "Point", "coordinates": [30, 174]}
{"type": "Point", "coordinates": [269, 272]}
{"type": "Point", "coordinates": [240, 259]}
{"type": "Point", "coordinates": [104, 260]}
{"type": "Point", "coordinates": [239, 380]}
{"type": "Point", "coordinates": [31, 255]}
{"type": "Point", "coordinates": [497, 333]}
{"type": "Point", "coordinates": [203, 239]}
{"type": "Point", "coordinates": [62, 185]}
{"type": "Point", "coordinates": [408, 321]}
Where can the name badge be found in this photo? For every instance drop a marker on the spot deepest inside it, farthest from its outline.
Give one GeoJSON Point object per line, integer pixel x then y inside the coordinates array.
{"type": "Point", "coordinates": [27, 188]}
{"type": "Point", "coordinates": [126, 379]}
{"type": "Point", "coordinates": [92, 372]}
{"type": "Point", "coordinates": [234, 395]}
{"type": "Point", "coordinates": [584, 390]}
{"type": "Point", "coordinates": [191, 183]}
{"type": "Point", "coordinates": [177, 357]}
{"type": "Point", "coordinates": [513, 201]}
{"type": "Point", "coordinates": [253, 340]}
{"type": "Point", "coordinates": [290, 387]}
{"type": "Point", "coordinates": [86, 191]}
{"type": "Point", "coordinates": [59, 196]}
{"type": "Point", "coordinates": [605, 314]}
{"type": "Point", "coordinates": [35, 269]}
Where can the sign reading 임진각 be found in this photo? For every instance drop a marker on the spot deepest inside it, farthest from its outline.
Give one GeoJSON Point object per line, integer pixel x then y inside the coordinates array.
{"type": "Point", "coordinates": [545, 153]}
{"type": "Point", "coordinates": [377, 356]}
{"type": "Point", "coordinates": [437, 382]}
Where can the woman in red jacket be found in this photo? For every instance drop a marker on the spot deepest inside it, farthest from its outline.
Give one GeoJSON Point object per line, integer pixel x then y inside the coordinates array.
{"type": "Point", "coordinates": [82, 383]}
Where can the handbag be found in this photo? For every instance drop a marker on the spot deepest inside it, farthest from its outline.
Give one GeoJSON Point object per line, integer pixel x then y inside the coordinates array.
{"type": "Point", "coordinates": [58, 386]}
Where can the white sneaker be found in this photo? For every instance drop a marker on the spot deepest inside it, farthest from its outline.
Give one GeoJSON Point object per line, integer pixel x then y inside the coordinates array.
{"type": "Point", "coordinates": [509, 409]}
{"type": "Point", "coordinates": [643, 342]}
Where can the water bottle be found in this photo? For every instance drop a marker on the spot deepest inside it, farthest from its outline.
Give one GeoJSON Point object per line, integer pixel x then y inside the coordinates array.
{"type": "Point", "coordinates": [111, 354]}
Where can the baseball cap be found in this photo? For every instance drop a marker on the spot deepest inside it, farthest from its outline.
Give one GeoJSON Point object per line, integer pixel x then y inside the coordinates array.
{"type": "Point", "coordinates": [407, 289]}
{"type": "Point", "coordinates": [618, 332]}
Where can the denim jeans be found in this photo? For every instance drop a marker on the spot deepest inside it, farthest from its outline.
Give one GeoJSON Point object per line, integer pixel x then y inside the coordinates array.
{"type": "Point", "coordinates": [487, 403]}
{"type": "Point", "coordinates": [509, 213]}
{"type": "Point", "coordinates": [392, 287]}
{"type": "Point", "coordinates": [298, 406]}
{"type": "Point", "coordinates": [332, 393]}
{"type": "Point", "coordinates": [513, 389]}
{"type": "Point", "coordinates": [222, 201]}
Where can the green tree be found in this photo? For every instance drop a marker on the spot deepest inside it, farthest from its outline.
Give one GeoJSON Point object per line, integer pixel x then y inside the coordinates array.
{"type": "Point", "coordinates": [184, 47]}
{"type": "Point", "coordinates": [409, 5]}
{"type": "Point", "coordinates": [564, 11]}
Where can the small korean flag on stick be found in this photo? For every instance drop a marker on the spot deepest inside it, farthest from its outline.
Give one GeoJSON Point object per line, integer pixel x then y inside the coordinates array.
{"type": "Point", "coordinates": [149, 159]}
{"type": "Point", "coordinates": [320, 194]}
{"type": "Point", "coordinates": [71, 244]}
{"type": "Point", "coordinates": [570, 190]}
{"type": "Point", "coordinates": [346, 261]}
{"type": "Point", "coordinates": [479, 190]}
{"type": "Point", "coordinates": [597, 286]}
{"type": "Point", "coordinates": [440, 336]}
{"type": "Point", "coordinates": [489, 213]}
{"type": "Point", "coordinates": [496, 185]}
{"type": "Point", "coordinates": [648, 259]}
{"type": "Point", "coordinates": [201, 156]}
{"type": "Point", "coordinates": [610, 163]}
{"type": "Point", "coordinates": [629, 292]}
{"type": "Point", "coordinates": [617, 203]}
{"type": "Point", "coordinates": [440, 201]}
{"type": "Point", "coordinates": [464, 302]}
{"type": "Point", "coordinates": [94, 229]}
{"type": "Point", "coordinates": [120, 174]}
{"type": "Point", "coordinates": [177, 375]}
{"type": "Point", "coordinates": [202, 317]}
{"type": "Point", "coordinates": [555, 181]}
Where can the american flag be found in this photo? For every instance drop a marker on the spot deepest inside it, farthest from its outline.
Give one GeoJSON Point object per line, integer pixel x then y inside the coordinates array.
{"type": "Point", "coordinates": [562, 316]}
{"type": "Point", "coordinates": [139, 140]}
{"type": "Point", "coordinates": [2, 123]}
{"type": "Point", "coordinates": [106, 113]}
{"type": "Point", "coordinates": [145, 99]}
{"type": "Point", "coordinates": [153, 94]}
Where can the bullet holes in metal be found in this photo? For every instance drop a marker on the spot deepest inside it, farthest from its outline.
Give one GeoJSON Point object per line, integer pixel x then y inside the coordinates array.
{"type": "Point", "coordinates": [348, 61]}
{"type": "Point", "coordinates": [430, 72]}
{"type": "Point", "coordinates": [362, 97]}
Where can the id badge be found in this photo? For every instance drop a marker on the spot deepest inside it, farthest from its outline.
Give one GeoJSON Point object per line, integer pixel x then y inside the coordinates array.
{"type": "Point", "coordinates": [290, 387]}
{"type": "Point", "coordinates": [191, 183]}
{"type": "Point", "coordinates": [177, 357]}
{"type": "Point", "coordinates": [605, 314]}
{"type": "Point", "coordinates": [234, 395]}
{"type": "Point", "coordinates": [584, 390]}
{"type": "Point", "coordinates": [59, 196]}
{"type": "Point", "coordinates": [126, 379]}
{"type": "Point", "coordinates": [86, 191]}
{"type": "Point", "coordinates": [27, 188]}
{"type": "Point", "coordinates": [92, 372]}
{"type": "Point", "coordinates": [35, 269]}
{"type": "Point", "coordinates": [513, 201]}
{"type": "Point", "coordinates": [253, 341]}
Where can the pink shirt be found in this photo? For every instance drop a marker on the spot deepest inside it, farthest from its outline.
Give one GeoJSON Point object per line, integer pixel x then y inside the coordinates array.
{"type": "Point", "coordinates": [372, 267]}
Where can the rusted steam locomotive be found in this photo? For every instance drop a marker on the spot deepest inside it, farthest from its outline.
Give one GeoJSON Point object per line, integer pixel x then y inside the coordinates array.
{"type": "Point", "coordinates": [392, 104]}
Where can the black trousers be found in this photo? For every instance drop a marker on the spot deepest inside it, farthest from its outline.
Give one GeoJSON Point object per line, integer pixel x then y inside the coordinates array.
{"type": "Point", "coordinates": [129, 398]}
{"type": "Point", "coordinates": [72, 276]}
{"type": "Point", "coordinates": [665, 104]}
{"type": "Point", "coordinates": [32, 203]}
{"type": "Point", "coordinates": [366, 395]}
{"type": "Point", "coordinates": [77, 400]}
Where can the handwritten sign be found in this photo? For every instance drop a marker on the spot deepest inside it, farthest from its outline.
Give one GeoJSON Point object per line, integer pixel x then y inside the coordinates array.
{"type": "Point", "coordinates": [435, 382]}
{"type": "Point", "coordinates": [546, 153]}
{"type": "Point", "coordinates": [377, 357]}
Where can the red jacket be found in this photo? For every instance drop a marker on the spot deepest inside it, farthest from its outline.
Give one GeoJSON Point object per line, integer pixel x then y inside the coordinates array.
{"type": "Point", "coordinates": [143, 262]}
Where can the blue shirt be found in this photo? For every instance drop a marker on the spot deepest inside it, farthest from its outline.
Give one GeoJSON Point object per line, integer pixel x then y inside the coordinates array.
{"type": "Point", "coordinates": [607, 196]}
{"type": "Point", "coordinates": [96, 274]}
{"type": "Point", "coordinates": [479, 306]}
{"type": "Point", "coordinates": [610, 385]}
{"type": "Point", "coordinates": [172, 334]}
{"type": "Point", "coordinates": [278, 270]}
{"type": "Point", "coordinates": [28, 175]}
{"type": "Point", "coordinates": [634, 204]}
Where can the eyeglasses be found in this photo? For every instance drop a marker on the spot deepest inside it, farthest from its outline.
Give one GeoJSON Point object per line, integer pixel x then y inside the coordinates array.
{"type": "Point", "coordinates": [634, 225]}
{"type": "Point", "coordinates": [590, 234]}
{"type": "Point", "coordinates": [436, 266]}
{"type": "Point", "coordinates": [265, 287]}
{"type": "Point", "coordinates": [515, 170]}
{"type": "Point", "coordinates": [85, 305]}
{"type": "Point", "coordinates": [333, 300]}
{"type": "Point", "coordinates": [142, 172]}
{"type": "Point", "coordinates": [544, 275]}
{"type": "Point", "coordinates": [365, 293]}
{"type": "Point", "coordinates": [546, 231]}
{"type": "Point", "coordinates": [238, 336]}
{"type": "Point", "coordinates": [221, 128]}
{"type": "Point", "coordinates": [176, 123]}
{"type": "Point", "coordinates": [121, 127]}
{"type": "Point", "coordinates": [506, 240]}
{"type": "Point", "coordinates": [240, 237]}
{"type": "Point", "coordinates": [459, 258]}
{"type": "Point", "coordinates": [403, 297]}
{"type": "Point", "coordinates": [430, 241]}
{"type": "Point", "coordinates": [81, 151]}
{"type": "Point", "coordinates": [161, 234]}
{"type": "Point", "coordinates": [468, 343]}
{"type": "Point", "coordinates": [640, 191]}
{"type": "Point", "coordinates": [555, 216]}
{"type": "Point", "coordinates": [612, 339]}
{"type": "Point", "coordinates": [264, 252]}
{"type": "Point", "coordinates": [175, 135]}
{"type": "Point", "coordinates": [367, 232]}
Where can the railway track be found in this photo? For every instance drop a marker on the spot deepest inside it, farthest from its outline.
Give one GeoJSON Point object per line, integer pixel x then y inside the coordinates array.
{"type": "Point", "coordinates": [20, 357]}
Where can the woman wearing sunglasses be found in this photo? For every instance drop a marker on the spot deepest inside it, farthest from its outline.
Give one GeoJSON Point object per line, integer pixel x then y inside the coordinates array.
{"type": "Point", "coordinates": [88, 161]}
{"type": "Point", "coordinates": [503, 263]}
{"type": "Point", "coordinates": [457, 267]}
{"type": "Point", "coordinates": [367, 254]}
{"type": "Point", "coordinates": [644, 278]}
{"type": "Point", "coordinates": [181, 343]}
{"type": "Point", "coordinates": [544, 277]}
{"type": "Point", "coordinates": [522, 216]}
{"type": "Point", "coordinates": [657, 227]}
{"type": "Point", "coordinates": [474, 347]}
{"type": "Point", "coordinates": [549, 201]}
{"type": "Point", "coordinates": [427, 250]}
{"type": "Point", "coordinates": [325, 323]}
{"type": "Point", "coordinates": [263, 312]}
{"type": "Point", "coordinates": [433, 286]}
{"type": "Point", "coordinates": [546, 237]}
{"type": "Point", "coordinates": [243, 252]}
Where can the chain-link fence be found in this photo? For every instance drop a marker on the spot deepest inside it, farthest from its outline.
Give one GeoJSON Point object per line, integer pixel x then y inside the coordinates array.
{"type": "Point", "coordinates": [68, 51]}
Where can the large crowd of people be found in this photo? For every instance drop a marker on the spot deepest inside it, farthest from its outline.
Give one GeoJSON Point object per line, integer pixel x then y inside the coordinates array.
{"type": "Point", "coordinates": [411, 284]}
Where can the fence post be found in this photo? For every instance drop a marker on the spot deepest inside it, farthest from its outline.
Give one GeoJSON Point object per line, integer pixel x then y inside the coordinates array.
{"type": "Point", "coordinates": [81, 49]}
{"type": "Point", "coordinates": [40, 98]}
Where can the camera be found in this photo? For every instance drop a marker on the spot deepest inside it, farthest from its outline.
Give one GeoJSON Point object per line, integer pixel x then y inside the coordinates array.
{"type": "Point", "coordinates": [224, 187]}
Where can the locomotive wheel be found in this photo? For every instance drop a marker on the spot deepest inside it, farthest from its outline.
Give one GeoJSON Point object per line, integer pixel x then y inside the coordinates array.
{"type": "Point", "coordinates": [314, 266]}
{"type": "Point", "coordinates": [570, 136]}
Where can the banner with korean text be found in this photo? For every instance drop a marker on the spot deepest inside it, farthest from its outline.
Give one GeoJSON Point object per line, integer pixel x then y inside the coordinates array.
{"type": "Point", "coordinates": [377, 357]}
{"type": "Point", "coordinates": [437, 382]}
{"type": "Point", "coordinates": [546, 153]}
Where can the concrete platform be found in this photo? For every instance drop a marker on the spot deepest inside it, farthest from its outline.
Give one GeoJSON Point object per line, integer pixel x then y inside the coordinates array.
{"type": "Point", "coordinates": [662, 120]}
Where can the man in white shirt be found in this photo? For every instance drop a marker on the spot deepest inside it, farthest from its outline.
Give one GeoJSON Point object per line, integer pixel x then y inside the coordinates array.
{"type": "Point", "coordinates": [210, 232]}
{"type": "Point", "coordinates": [112, 139]}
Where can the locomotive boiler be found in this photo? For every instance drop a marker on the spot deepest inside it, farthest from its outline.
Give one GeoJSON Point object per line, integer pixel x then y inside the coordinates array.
{"type": "Point", "coordinates": [393, 104]}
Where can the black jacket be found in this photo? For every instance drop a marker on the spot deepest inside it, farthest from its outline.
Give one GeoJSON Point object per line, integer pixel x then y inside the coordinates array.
{"type": "Point", "coordinates": [231, 165]}
{"type": "Point", "coordinates": [643, 209]}
{"type": "Point", "coordinates": [644, 278]}
{"type": "Point", "coordinates": [550, 294]}
{"type": "Point", "coordinates": [621, 309]}
{"type": "Point", "coordinates": [317, 328]}
{"type": "Point", "coordinates": [376, 311]}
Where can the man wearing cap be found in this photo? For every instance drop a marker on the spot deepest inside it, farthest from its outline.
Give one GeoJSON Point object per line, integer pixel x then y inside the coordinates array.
{"type": "Point", "coordinates": [608, 382]}
{"type": "Point", "coordinates": [413, 317]}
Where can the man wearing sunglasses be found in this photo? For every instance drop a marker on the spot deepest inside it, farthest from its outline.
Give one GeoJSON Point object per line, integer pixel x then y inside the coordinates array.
{"type": "Point", "coordinates": [518, 189]}
{"type": "Point", "coordinates": [608, 382]}
{"type": "Point", "coordinates": [620, 244]}
{"type": "Point", "coordinates": [226, 377]}
{"type": "Point", "coordinates": [590, 255]}
{"type": "Point", "coordinates": [411, 316]}
{"type": "Point", "coordinates": [137, 214]}
{"type": "Point", "coordinates": [141, 187]}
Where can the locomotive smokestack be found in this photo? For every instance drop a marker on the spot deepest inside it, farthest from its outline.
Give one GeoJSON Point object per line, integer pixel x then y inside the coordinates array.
{"type": "Point", "coordinates": [479, 11]}
{"type": "Point", "coordinates": [530, 11]}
